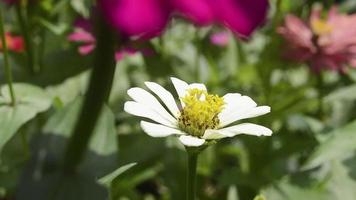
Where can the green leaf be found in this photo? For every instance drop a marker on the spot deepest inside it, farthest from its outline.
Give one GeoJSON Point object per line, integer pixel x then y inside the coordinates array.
{"type": "Point", "coordinates": [232, 193]}
{"type": "Point", "coordinates": [106, 180]}
{"type": "Point", "coordinates": [286, 190]}
{"type": "Point", "coordinates": [55, 185]}
{"type": "Point", "coordinates": [103, 141]}
{"type": "Point", "coordinates": [81, 6]}
{"type": "Point", "coordinates": [340, 144]}
{"type": "Point", "coordinates": [30, 100]}
{"type": "Point", "coordinates": [344, 93]}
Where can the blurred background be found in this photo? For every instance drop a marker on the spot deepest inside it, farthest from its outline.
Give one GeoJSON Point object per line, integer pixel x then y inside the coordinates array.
{"type": "Point", "coordinates": [311, 154]}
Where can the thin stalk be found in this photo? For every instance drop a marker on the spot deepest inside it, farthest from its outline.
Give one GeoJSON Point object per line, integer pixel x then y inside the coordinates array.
{"type": "Point", "coordinates": [21, 15]}
{"type": "Point", "coordinates": [25, 145]}
{"type": "Point", "coordinates": [8, 72]}
{"type": "Point", "coordinates": [98, 91]}
{"type": "Point", "coordinates": [197, 56]}
{"type": "Point", "coordinates": [320, 85]}
{"type": "Point", "coordinates": [191, 175]}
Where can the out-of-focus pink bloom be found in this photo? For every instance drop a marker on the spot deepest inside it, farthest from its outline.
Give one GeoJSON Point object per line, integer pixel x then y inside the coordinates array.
{"type": "Point", "coordinates": [83, 35]}
{"type": "Point", "coordinates": [145, 19]}
{"type": "Point", "coordinates": [199, 12]}
{"type": "Point", "coordinates": [86, 39]}
{"type": "Point", "coordinates": [323, 43]}
{"type": "Point", "coordinates": [240, 16]}
{"type": "Point", "coordinates": [220, 38]}
{"type": "Point", "coordinates": [142, 19]}
{"type": "Point", "coordinates": [14, 43]}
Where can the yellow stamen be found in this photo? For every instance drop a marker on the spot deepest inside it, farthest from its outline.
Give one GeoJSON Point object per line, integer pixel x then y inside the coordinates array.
{"type": "Point", "coordinates": [200, 112]}
{"type": "Point", "coordinates": [320, 27]}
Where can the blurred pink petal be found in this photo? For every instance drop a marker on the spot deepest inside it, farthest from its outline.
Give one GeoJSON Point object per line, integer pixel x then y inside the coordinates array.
{"type": "Point", "coordinates": [198, 11]}
{"type": "Point", "coordinates": [14, 43]}
{"type": "Point", "coordinates": [81, 36]}
{"type": "Point", "coordinates": [241, 16]}
{"type": "Point", "coordinates": [328, 43]}
{"type": "Point", "coordinates": [86, 49]}
{"type": "Point", "coordinates": [220, 38]}
{"type": "Point", "coordinates": [137, 18]}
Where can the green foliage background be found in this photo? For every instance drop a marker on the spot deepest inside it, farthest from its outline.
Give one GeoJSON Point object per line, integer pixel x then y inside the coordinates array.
{"type": "Point", "coordinates": [311, 154]}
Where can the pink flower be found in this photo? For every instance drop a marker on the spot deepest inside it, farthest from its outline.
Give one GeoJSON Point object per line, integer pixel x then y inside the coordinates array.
{"type": "Point", "coordinates": [323, 43]}
{"type": "Point", "coordinates": [142, 19]}
{"type": "Point", "coordinates": [82, 34]}
{"type": "Point", "coordinates": [14, 43]}
{"type": "Point", "coordinates": [199, 12]}
{"type": "Point", "coordinates": [86, 39]}
{"type": "Point", "coordinates": [146, 19]}
{"type": "Point", "coordinates": [241, 16]}
{"type": "Point", "coordinates": [220, 38]}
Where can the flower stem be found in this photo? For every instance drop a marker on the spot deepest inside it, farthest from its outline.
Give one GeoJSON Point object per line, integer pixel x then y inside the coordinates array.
{"type": "Point", "coordinates": [21, 15]}
{"type": "Point", "coordinates": [25, 144]}
{"type": "Point", "coordinates": [99, 89]}
{"type": "Point", "coordinates": [191, 175]}
{"type": "Point", "coordinates": [197, 56]}
{"type": "Point", "coordinates": [8, 72]}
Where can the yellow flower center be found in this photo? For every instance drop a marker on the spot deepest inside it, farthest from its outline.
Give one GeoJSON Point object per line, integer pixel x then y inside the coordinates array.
{"type": "Point", "coordinates": [200, 112]}
{"type": "Point", "coordinates": [321, 27]}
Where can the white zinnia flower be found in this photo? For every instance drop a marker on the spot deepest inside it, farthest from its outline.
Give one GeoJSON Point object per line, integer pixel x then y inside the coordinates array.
{"type": "Point", "coordinates": [201, 117]}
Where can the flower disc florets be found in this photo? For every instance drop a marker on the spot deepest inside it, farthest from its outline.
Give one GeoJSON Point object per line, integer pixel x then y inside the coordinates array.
{"type": "Point", "coordinates": [200, 112]}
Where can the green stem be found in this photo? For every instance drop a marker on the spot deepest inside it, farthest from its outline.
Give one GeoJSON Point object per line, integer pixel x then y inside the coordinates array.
{"type": "Point", "coordinates": [21, 15]}
{"type": "Point", "coordinates": [25, 143]}
{"type": "Point", "coordinates": [197, 56]}
{"type": "Point", "coordinates": [8, 72]}
{"type": "Point", "coordinates": [320, 88]}
{"type": "Point", "coordinates": [99, 89]}
{"type": "Point", "coordinates": [191, 175]}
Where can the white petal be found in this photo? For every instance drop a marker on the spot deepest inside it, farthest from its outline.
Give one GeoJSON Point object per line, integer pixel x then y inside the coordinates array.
{"type": "Point", "coordinates": [166, 97]}
{"type": "Point", "coordinates": [199, 86]}
{"type": "Point", "coordinates": [191, 141]}
{"type": "Point", "coordinates": [180, 87]}
{"type": "Point", "coordinates": [157, 130]}
{"type": "Point", "coordinates": [145, 98]}
{"type": "Point", "coordinates": [140, 110]}
{"type": "Point", "coordinates": [245, 128]}
{"type": "Point", "coordinates": [212, 134]}
{"type": "Point", "coordinates": [243, 114]}
{"type": "Point", "coordinates": [234, 102]}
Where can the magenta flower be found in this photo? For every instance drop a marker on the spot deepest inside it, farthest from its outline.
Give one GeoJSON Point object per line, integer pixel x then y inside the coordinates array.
{"type": "Point", "coordinates": [199, 12]}
{"type": "Point", "coordinates": [142, 19]}
{"type": "Point", "coordinates": [145, 19]}
{"type": "Point", "coordinates": [220, 38]}
{"type": "Point", "coordinates": [323, 43]}
{"type": "Point", "coordinates": [241, 16]}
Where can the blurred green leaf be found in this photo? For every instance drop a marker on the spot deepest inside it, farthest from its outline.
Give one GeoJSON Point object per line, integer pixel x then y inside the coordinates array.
{"type": "Point", "coordinates": [107, 180]}
{"type": "Point", "coordinates": [83, 7]}
{"type": "Point", "coordinates": [30, 100]}
{"type": "Point", "coordinates": [286, 190]}
{"type": "Point", "coordinates": [344, 93]}
{"type": "Point", "coordinates": [104, 140]}
{"type": "Point", "coordinates": [232, 193]}
{"type": "Point", "coordinates": [340, 144]}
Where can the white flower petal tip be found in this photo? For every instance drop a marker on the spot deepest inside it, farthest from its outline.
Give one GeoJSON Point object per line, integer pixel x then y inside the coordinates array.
{"type": "Point", "coordinates": [166, 97]}
{"type": "Point", "coordinates": [191, 141]}
{"type": "Point", "coordinates": [245, 128]}
{"type": "Point", "coordinates": [157, 130]}
{"type": "Point", "coordinates": [199, 86]}
{"type": "Point", "coordinates": [137, 109]}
